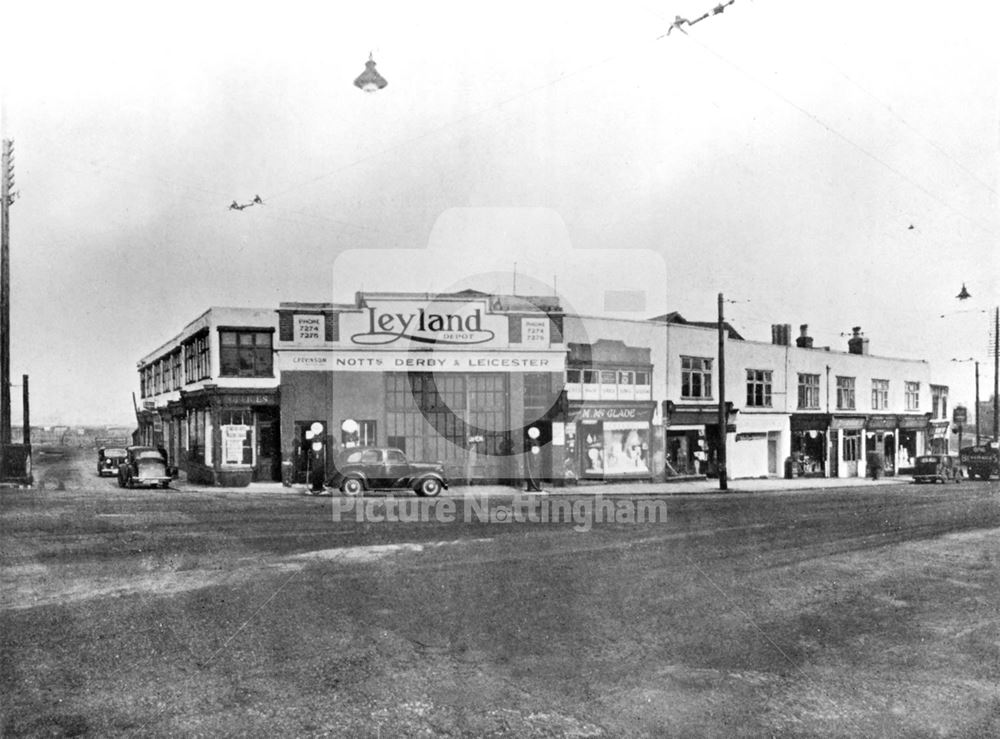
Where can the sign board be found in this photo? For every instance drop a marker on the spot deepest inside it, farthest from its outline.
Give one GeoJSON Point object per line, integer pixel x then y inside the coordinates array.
{"type": "Point", "coordinates": [959, 416]}
{"type": "Point", "coordinates": [425, 361]}
{"type": "Point", "coordinates": [614, 413]}
{"type": "Point", "coordinates": [309, 329]}
{"type": "Point", "coordinates": [535, 332]}
{"type": "Point", "coordinates": [402, 324]}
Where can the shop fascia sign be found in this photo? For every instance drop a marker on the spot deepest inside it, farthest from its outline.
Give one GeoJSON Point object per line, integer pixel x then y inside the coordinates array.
{"type": "Point", "coordinates": [458, 323]}
{"type": "Point", "coordinates": [613, 413]}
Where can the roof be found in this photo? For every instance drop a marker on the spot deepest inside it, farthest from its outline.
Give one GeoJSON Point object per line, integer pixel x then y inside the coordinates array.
{"type": "Point", "coordinates": [675, 317]}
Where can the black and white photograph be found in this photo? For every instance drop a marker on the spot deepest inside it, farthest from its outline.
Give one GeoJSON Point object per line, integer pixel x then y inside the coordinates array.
{"type": "Point", "coordinates": [533, 369]}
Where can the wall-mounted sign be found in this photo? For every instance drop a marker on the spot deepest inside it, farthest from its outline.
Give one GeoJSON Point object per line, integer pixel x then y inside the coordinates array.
{"type": "Point", "coordinates": [405, 323]}
{"type": "Point", "coordinates": [309, 329]}
{"type": "Point", "coordinates": [959, 415]}
{"type": "Point", "coordinates": [535, 332]}
{"type": "Point", "coordinates": [614, 413]}
{"type": "Point", "coordinates": [427, 361]}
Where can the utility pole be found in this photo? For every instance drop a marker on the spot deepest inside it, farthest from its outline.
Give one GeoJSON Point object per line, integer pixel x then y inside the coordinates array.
{"type": "Point", "coordinates": [977, 403]}
{"type": "Point", "coordinates": [6, 183]}
{"type": "Point", "coordinates": [723, 481]}
{"type": "Point", "coordinates": [996, 374]}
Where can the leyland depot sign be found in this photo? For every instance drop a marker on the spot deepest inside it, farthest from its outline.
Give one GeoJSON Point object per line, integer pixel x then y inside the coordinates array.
{"type": "Point", "coordinates": [403, 334]}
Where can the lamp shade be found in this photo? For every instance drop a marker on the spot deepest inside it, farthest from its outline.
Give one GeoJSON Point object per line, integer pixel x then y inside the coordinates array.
{"type": "Point", "coordinates": [370, 80]}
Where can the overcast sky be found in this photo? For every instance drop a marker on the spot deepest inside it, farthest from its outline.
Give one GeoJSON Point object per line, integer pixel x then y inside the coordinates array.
{"type": "Point", "coordinates": [779, 153]}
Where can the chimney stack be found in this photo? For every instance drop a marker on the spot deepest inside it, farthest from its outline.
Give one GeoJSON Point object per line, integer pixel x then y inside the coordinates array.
{"type": "Point", "coordinates": [804, 341]}
{"type": "Point", "coordinates": [857, 344]}
{"type": "Point", "coordinates": [781, 333]}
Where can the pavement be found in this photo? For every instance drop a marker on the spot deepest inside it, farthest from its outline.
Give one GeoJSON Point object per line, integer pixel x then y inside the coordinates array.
{"type": "Point", "coordinates": [684, 486]}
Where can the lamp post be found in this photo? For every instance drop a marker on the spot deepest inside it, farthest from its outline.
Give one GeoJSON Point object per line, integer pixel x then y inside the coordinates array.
{"type": "Point", "coordinates": [970, 359]}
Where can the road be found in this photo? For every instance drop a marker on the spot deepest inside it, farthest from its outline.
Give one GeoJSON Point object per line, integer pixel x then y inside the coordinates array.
{"type": "Point", "coordinates": [835, 612]}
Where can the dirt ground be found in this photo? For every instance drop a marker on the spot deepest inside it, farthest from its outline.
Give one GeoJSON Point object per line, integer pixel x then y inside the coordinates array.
{"type": "Point", "coordinates": [848, 613]}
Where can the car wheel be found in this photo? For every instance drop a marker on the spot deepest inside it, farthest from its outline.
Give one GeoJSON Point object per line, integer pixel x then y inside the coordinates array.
{"type": "Point", "coordinates": [164, 485]}
{"type": "Point", "coordinates": [985, 475]}
{"type": "Point", "coordinates": [429, 488]}
{"type": "Point", "coordinates": [352, 486]}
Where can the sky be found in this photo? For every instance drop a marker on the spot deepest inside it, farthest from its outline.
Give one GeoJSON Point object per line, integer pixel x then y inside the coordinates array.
{"type": "Point", "coordinates": [829, 164]}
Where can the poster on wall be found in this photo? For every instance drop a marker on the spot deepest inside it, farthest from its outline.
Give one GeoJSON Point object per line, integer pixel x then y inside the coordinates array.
{"type": "Point", "coordinates": [235, 444]}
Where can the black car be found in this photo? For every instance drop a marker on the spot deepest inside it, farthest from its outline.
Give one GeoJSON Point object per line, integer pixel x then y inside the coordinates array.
{"type": "Point", "coordinates": [369, 468]}
{"type": "Point", "coordinates": [109, 458]}
{"type": "Point", "coordinates": [145, 466]}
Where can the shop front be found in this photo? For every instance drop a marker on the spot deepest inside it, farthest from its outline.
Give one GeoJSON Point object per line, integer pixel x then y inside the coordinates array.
{"type": "Point", "coordinates": [759, 445]}
{"type": "Point", "coordinates": [881, 439]}
{"type": "Point", "coordinates": [809, 446]}
{"type": "Point", "coordinates": [608, 441]}
{"type": "Point", "coordinates": [916, 434]}
{"type": "Point", "coordinates": [457, 379]}
{"type": "Point", "coordinates": [692, 437]}
{"type": "Point", "coordinates": [937, 433]}
{"type": "Point", "coordinates": [231, 436]}
{"type": "Point", "coordinates": [846, 447]}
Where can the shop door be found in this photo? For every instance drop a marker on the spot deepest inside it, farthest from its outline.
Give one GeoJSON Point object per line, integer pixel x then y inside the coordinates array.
{"type": "Point", "coordinates": [833, 454]}
{"type": "Point", "coordinates": [268, 448]}
{"type": "Point", "coordinates": [772, 454]}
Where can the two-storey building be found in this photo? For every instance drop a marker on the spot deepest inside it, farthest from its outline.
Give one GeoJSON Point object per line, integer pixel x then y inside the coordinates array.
{"type": "Point", "coordinates": [210, 397]}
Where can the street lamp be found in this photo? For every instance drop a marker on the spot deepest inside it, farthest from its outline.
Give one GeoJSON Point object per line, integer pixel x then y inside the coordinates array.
{"type": "Point", "coordinates": [970, 359]}
{"type": "Point", "coordinates": [370, 80]}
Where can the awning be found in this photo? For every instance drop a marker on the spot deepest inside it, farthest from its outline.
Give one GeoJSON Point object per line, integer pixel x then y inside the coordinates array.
{"type": "Point", "coordinates": [939, 429]}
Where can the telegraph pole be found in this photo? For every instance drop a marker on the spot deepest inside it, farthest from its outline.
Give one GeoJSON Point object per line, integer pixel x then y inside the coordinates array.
{"type": "Point", "coordinates": [7, 180]}
{"type": "Point", "coordinates": [996, 374]}
{"type": "Point", "coordinates": [723, 474]}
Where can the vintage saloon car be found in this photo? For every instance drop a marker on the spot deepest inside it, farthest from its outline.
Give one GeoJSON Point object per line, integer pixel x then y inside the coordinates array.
{"type": "Point", "coordinates": [109, 458]}
{"type": "Point", "coordinates": [369, 468]}
{"type": "Point", "coordinates": [937, 468]}
{"type": "Point", "coordinates": [145, 466]}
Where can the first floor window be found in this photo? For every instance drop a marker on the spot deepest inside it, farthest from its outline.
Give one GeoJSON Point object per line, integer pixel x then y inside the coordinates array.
{"type": "Point", "coordinates": [880, 395]}
{"type": "Point", "coordinates": [759, 387]}
{"type": "Point", "coordinates": [939, 397]}
{"type": "Point", "coordinates": [913, 396]}
{"type": "Point", "coordinates": [808, 391]}
{"type": "Point", "coordinates": [845, 393]}
{"type": "Point", "coordinates": [696, 377]}
{"type": "Point", "coordinates": [245, 354]}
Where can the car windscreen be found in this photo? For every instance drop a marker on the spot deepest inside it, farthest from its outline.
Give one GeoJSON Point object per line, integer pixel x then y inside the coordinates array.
{"type": "Point", "coordinates": [149, 454]}
{"type": "Point", "coordinates": [114, 452]}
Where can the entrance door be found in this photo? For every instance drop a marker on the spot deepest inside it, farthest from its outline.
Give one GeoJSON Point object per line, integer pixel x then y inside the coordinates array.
{"type": "Point", "coordinates": [268, 446]}
{"type": "Point", "coordinates": [833, 453]}
{"type": "Point", "coordinates": [772, 454]}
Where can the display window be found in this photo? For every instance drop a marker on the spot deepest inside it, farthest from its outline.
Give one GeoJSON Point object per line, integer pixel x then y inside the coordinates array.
{"type": "Point", "coordinates": [612, 448]}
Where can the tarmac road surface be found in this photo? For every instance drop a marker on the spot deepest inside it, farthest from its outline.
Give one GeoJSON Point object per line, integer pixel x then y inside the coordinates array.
{"type": "Point", "coordinates": [849, 611]}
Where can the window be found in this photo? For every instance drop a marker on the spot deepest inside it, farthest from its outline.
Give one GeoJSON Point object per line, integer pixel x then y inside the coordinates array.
{"type": "Point", "coordinates": [880, 395]}
{"type": "Point", "coordinates": [808, 391]}
{"type": "Point", "coordinates": [395, 456]}
{"type": "Point", "coordinates": [759, 387]}
{"type": "Point", "coordinates": [939, 396]}
{"type": "Point", "coordinates": [178, 378]}
{"type": "Point", "coordinates": [236, 428]}
{"type": "Point", "coordinates": [852, 446]}
{"type": "Point", "coordinates": [696, 377]}
{"type": "Point", "coordinates": [245, 353]}
{"type": "Point", "coordinates": [196, 359]}
{"type": "Point", "coordinates": [913, 396]}
{"type": "Point", "coordinates": [845, 393]}
{"type": "Point", "coordinates": [143, 386]}
{"type": "Point", "coordinates": [364, 436]}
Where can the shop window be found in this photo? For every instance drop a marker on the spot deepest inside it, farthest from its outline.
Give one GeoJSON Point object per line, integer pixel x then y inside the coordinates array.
{"type": "Point", "coordinates": [643, 390]}
{"type": "Point", "coordinates": [913, 396]}
{"type": "Point", "coordinates": [615, 448]}
{"type": "Point", "coordinates": [852, 446]}
{"type": "Point", "coordinates": [363, 435]}
{"type": "Point", "coordinates": [237, 431]}
{"type": "Point", "coordinates": [696, 377]}
{"type": "Point", "coordinates": [591, 388]}
{"type": "Point", "coordinates": [759, 388]}
{"type": "Point", "coordinates": [197, 429]}
{"type": "Point", "coordinates": [845, 393]}
{"type": "Point", "coordinates": [245, 354]}
{"type": "Point", "coordinates": [880, 395]}
{"type": "Point", "coordinates": [609, 384]}
{"type": "Point", "coordinates": [808, 391]}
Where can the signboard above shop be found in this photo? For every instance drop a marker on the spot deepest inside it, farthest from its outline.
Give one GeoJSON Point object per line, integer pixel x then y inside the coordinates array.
{"type": "Point", "coordinates": [450, 360]}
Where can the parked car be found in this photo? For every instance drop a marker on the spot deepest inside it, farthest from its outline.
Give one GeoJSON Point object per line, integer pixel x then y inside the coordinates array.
{"type": "Point", "coordinates": [369, 468]}
{"type": "Point", "coordinates": [108, 460]}
{"type": "Point", "coordinates": [144, 466]}
{"type": "Point", "coordinates": [937, 468]}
